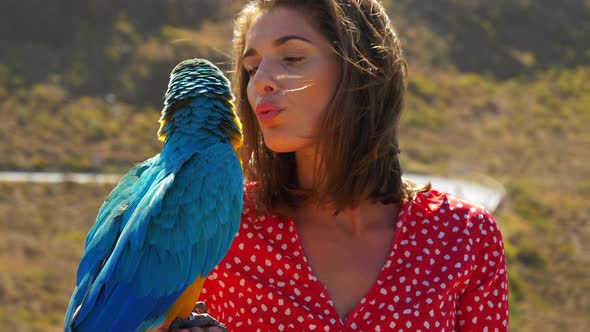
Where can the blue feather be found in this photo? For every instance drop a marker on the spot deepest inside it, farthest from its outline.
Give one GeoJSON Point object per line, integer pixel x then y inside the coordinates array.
{"type": "Point", "coordinates": [171, 219]}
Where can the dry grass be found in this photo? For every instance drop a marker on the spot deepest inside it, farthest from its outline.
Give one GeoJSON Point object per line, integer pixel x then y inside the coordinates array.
{"type": "Point", "coordinates": [42, 229]}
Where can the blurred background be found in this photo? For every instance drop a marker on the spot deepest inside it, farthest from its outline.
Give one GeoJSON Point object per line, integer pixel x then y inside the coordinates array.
{"type": "Point", "coordinates": [498, 89]}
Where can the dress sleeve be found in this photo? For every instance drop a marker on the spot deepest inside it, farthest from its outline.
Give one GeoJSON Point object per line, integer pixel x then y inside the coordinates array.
{"type": "Point", "coordinates": [484, 304]}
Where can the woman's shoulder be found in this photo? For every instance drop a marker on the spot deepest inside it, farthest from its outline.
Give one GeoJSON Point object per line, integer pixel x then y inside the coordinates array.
{"type": "Point", "coordinates": [440, 202]}
{"type": "Point", "coordinates": [260, 234]}
{"type": "Point", "coordinates": [444, 211]}
{"type": "Point", "coordinates": [252, 216]}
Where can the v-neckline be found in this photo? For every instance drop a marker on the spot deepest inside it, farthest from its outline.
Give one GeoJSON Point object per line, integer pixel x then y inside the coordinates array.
{"type": "Point", "coordinates": [347, 319]}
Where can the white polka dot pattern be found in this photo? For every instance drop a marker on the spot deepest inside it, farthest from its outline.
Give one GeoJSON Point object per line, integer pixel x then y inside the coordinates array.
{"type": "Point", "coordinates": [446, 272]}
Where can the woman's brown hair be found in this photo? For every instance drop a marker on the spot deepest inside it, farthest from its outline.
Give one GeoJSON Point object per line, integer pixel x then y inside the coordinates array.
{"type": "Point", "coordinates": [358, 145]}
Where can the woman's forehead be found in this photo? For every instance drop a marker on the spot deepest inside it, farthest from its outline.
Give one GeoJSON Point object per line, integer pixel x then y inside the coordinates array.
{"type": "Point", "coordinates": [271, 25]}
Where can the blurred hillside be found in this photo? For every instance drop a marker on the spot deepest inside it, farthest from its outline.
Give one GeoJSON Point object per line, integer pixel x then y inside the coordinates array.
{"type": "Point", "coordinates": [501, 38]}
{"type": "Point", "coordinates": [108, 47]}
{"type": "Point", "coordinates": [500, 88]}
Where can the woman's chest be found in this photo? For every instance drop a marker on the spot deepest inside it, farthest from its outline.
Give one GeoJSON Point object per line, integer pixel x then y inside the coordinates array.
{"type": "Point", "coordinates": [346, 268]}
{"type": "Point", "coordinates": [288, 296]}
{"type": "Point", "coordinates": [273, 280]}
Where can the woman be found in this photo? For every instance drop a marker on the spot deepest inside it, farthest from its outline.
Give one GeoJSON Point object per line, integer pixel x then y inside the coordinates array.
{"type": "Point", "coordinates": [332, 239]}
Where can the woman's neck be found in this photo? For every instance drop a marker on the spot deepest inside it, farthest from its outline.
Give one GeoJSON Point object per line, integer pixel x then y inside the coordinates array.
{"type": "Point", "coordinates": [353, 222]}
{"type": "Point", "coordinates": [366, 217]}
{"type": "Point", "coordinates": [306, 165]}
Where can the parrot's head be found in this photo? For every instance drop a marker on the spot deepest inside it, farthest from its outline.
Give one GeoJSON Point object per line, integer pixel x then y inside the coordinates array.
{"type": "Point", "coordinates": [199, 98]}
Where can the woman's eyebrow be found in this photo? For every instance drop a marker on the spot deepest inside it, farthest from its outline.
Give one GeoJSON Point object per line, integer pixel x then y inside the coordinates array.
{"type": "Point", "coordinates": [278, 42]}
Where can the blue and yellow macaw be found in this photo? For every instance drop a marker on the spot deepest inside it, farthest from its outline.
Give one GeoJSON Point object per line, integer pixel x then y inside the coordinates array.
{"type": "Point", "coordinates": [171, 219]}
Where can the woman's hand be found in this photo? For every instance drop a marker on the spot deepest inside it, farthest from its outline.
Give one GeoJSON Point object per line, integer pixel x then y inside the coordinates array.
{"type": "Point", "coordinates": [201, 329]}
{"type": "Point", "coordinates": [201, 321]}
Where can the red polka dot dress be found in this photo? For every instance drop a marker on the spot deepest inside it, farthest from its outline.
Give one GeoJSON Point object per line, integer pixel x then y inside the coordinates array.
{"type": "Point", "coordinates": [446, 272]}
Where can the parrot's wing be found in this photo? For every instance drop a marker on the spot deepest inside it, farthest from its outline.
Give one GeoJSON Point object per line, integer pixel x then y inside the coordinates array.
{"type": "Point", "coordinates": [181, 229]}
{"type": "Point", "coordinates": [102, 237]}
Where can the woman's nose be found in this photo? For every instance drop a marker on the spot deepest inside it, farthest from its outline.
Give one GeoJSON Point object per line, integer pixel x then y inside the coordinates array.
{"type": "Point", "coordinates": [265, 80]}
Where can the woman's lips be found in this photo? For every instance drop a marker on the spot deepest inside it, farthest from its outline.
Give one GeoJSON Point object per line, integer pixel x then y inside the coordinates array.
{"type": "Point", "coordinates": [266, 112]}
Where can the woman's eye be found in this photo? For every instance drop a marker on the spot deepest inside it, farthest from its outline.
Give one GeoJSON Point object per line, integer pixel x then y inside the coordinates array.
{"type": "Point", "coordinates": [292, 59]}
{"type": "Point", "coordinates": [251, 70]}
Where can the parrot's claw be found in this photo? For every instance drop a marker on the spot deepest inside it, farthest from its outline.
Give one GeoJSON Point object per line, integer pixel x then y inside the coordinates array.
{"type": "Point", "coordinates": [200, 308]}
{"type": "Point", "coordinates": [200, 319]}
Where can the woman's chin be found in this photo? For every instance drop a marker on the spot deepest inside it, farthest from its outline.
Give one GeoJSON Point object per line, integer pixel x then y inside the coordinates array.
{"type": "Point", "coordinates": [279, 145]}
{"type": "Point", "coordinates": [282, 143]}
{"type": "Point", "coordinates": [278, 148]}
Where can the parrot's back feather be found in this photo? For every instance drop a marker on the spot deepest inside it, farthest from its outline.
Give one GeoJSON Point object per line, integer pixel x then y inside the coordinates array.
{"type": "Point", "coordinates": [148, 242]}
{"type": "Point", "coordinates": [103, 236]}
{"type": "Point", "coordinates": [171, 219]}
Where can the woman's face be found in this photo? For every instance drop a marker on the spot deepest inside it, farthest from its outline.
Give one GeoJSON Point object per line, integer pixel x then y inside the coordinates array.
{"type": "Point", "coordinates": [293, 75]}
